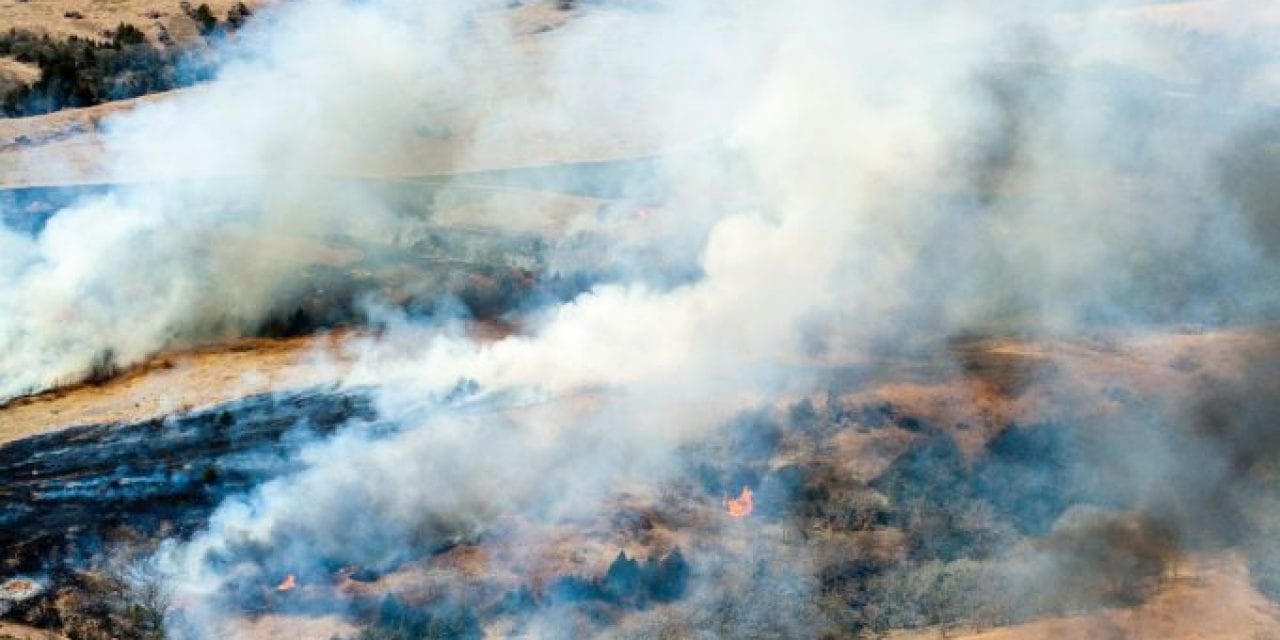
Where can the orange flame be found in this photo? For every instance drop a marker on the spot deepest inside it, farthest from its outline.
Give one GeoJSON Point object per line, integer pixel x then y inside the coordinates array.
{"type": "Point", "coordinates": [741, 506]}
{"type": "Point", "coordinates": [287, 584]}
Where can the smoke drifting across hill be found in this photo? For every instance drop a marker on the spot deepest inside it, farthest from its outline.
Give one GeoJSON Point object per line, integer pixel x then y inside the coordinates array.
{"type": "Point", "coordinates": [866, 174]}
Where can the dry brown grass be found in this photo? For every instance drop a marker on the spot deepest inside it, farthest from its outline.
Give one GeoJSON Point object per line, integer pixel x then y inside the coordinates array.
{"type": "Point", "coordinates": [173, 382]}
{"type": "Point", "coordinates": [289, 627]}
{"type": "Point", "coordinates": [64, 147]}
{"type": "Point", "coordinates": [1210, 599]}
{"type": "Point", "coordinates": [983, 385]}
{"type": "Point", "coordinates": [964, 402]}
{"type": "Point", "coordinates": [12, 71]}
{"type": "Point", "coordinates": [15, 631]}
{"type": "Point", "coordinates": [100, 16]}
{"type": "Point", "coordinates": [177, 381]}
{"type": "Point", "coordinates": [89, 118]}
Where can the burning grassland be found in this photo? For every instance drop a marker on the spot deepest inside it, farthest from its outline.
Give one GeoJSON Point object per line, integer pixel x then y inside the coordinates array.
{"type": "Point", "coordinates": [910, 317]}
{"type": "Point", "coordinates": [854, 511]}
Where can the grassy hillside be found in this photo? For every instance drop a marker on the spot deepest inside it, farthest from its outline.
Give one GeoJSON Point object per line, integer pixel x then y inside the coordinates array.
{"type": "Point", "coordinates": [86, 19]}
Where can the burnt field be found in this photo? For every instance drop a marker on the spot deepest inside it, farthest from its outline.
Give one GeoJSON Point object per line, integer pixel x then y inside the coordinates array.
{"type": "Point", "coordinates": [933, 497]}
{"type": "Point", "coordinates": [838, 320]}
{"type": "Point", "coordinates": [67, 493]}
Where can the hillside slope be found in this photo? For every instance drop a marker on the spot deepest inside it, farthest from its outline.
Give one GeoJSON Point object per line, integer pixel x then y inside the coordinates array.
{"type": "Point", "coordinates": [88, 19]}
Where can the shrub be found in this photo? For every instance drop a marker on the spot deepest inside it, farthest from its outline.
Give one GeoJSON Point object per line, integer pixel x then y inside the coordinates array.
{"type": "Point", "coordinates": [206, 23]}
{"type": "Point", "coordinates": [79, 72]}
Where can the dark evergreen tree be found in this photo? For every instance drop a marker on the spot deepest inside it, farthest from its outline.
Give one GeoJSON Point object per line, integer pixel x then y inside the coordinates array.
{"type": "Point", "coordinates": [237, 15]}
{"type": "Point", "coordinates": [671, 578]}
{"type": "Point", "coordinates": [206, 23]}
{"type": "Point", "coordinates": [623, 580]}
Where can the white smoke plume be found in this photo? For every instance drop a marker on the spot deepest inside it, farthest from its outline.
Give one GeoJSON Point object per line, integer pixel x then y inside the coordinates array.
{"type": "Point", "coordinates": [238, 183]}
{"type": "Point", "coordinates": [866, 173]}
{"type": "Point", "coordinates": [1022, 104]}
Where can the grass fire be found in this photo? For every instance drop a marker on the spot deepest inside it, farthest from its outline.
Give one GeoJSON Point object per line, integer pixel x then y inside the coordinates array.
{"type": "Point", "coordinates": [839, 319]}
{"type": "Point", "coordinates": [741, 506]}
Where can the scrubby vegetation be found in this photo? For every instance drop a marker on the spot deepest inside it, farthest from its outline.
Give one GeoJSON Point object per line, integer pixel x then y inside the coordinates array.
{"type": "Point", "coordinates": [396, 620]}
{"type": "Point", "coordinates": [116, 596]}
{"type": "Point", "coordinates": [628, 582]}
{"type": "Point", "coordinates": [81, 72]}
{"type": "Point", "coordinates": [937, 538]}
{"type": "Point", "coordinates": [868, 517]}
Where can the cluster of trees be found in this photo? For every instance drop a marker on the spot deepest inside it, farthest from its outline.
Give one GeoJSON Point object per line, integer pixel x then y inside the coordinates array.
{"type": "Point", "coordinates": [207, 23]}
{"type": "Point", "coordinates": [628, 582]}
{"type": "Point", "coordinates": [81, 72]}
{"type": "Point", "coordinates": [396, 620]}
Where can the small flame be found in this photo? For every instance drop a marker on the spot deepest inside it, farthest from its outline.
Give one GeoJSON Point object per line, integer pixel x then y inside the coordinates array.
{"type": "Point", "coordinates": [741, 506]}
{"type": "Point", "coordinates": [289, 582]}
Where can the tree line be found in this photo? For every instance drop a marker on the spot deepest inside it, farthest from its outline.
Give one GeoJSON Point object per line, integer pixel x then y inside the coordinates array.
{"type": "Point", "coordinates": [82, 72]}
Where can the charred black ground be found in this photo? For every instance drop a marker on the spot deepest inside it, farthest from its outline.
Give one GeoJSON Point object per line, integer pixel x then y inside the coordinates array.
{"type": "Point", "coordinates": [1043, 518]}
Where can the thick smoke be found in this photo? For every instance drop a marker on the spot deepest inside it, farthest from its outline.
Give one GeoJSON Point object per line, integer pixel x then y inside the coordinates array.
{"type": "Point", "coordinates": [240, 189]}
{"type": "Point", "coordinates": [841, 176]}
{"type": "Point", "coordinates": [987, 128]}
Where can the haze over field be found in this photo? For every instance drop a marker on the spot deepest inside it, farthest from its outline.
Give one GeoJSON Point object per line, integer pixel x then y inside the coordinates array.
{"type": "Point", "coordinates": [793, 187]}
{"type": "Point", "coordinates": [965, 127]}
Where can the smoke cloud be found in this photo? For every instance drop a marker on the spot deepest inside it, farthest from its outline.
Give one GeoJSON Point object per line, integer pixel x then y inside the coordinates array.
{"type": "Point", "coordinates": [836, 176]}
